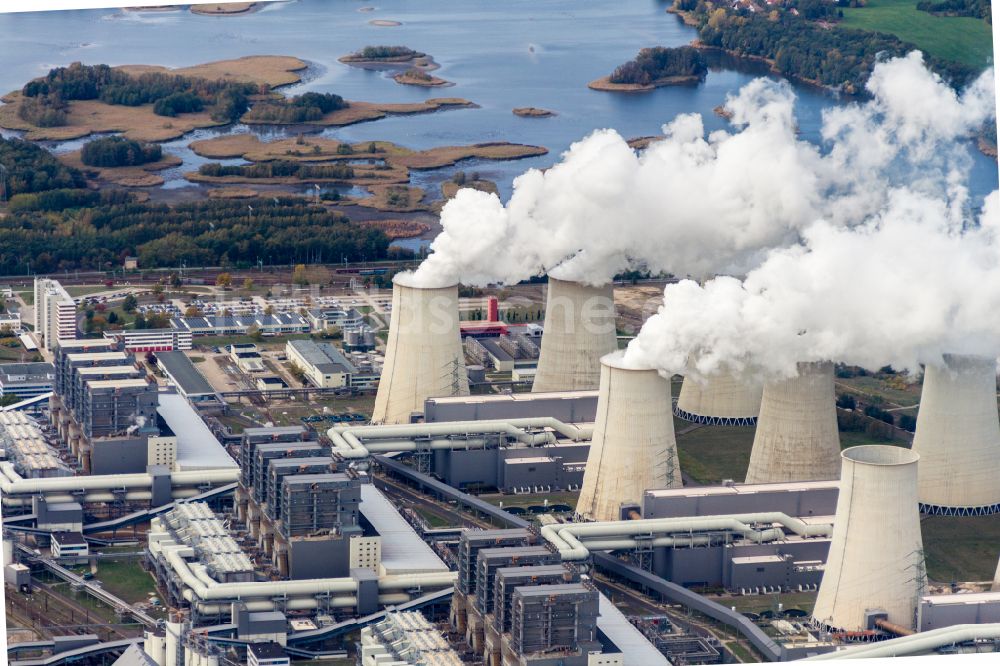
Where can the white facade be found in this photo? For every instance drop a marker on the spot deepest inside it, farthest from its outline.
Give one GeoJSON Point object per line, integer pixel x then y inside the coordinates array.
{"type": "Point", "coordinates": [579, 330]}
{"type": "Point", "coordinates": [423, 356]}
{"type": "Point", "coordinates": [958, 437]}
{"type": "Point", "coordinates": [55, 313]}
{"type": "Point", "coordinates": [797, 438]}
{"type": "Point", "coordinates": [366, 553]}
{"type": "Point", "coordinates": [719, 400]}
{"type": "Point", "coordinates": [633, 448]}
{"type": "Point", "coordinates": [152, 339]}
{"type": "Point", "coordinates": [876, 558]}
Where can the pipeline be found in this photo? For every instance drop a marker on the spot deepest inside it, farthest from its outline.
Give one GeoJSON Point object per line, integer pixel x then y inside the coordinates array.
{"type": "Point", "coordinates": [894, 628]}
{"type": "Point", "coordinates": [200, 590]}
{"type": "Point", "coordinates": [347, 440]}
{"type": "Point", "coordinates": [921, 643]}
{"type": "Point", "coordinates": [12, 483]}
{"type": "Point", "coordinates": [574, 541]}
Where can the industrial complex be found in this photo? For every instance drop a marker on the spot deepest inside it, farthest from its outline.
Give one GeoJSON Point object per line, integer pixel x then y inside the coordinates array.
{"type": "Point", "coordinates": [463, 518]}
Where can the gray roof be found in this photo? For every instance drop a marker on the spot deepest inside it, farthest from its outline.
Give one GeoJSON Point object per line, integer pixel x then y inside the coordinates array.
{"type": "Point", "coordinates": [635, 648]}
{"type": "Point", "coordinates": [183, 372]}
{"type": "Point", "coordinates": [32, 372]}
{"type": "Point", "coordinates": [134, 656]}
{"type": "Point", "coordinates": [197, 447]}
{"type": "Point", "coordinates": [324, 356]}
{"type": "Point", "coordinates": [402, 548]}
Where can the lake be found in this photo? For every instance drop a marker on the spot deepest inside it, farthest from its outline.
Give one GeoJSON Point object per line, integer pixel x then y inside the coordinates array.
{"type": "Point", "coordinates": [499, 55]}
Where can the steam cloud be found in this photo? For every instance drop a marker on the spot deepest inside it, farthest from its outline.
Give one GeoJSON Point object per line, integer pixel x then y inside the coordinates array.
{"type": "Point", "coordinates": [696, 205]}
{"type": "Point", "coordinates": [914, 282]}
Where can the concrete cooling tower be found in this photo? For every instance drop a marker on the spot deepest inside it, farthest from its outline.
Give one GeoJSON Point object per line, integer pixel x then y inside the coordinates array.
{"type": "Point", "coordinates": [875, 567]}
{"type": "Point", "coordinates": [423, 356]}
{"type": "Point", "coordinates": [579, 330]}
{"type": "Point", "coordinates": [958, 438]}
{"type": "Point", "coordinates": [996, 579]}
{"type": "Point", "coordinates": [719, 400]}
{"type": "Point", "coordinates": [633, 448]}
{"type": "Point", "coordinates": [797, 437]}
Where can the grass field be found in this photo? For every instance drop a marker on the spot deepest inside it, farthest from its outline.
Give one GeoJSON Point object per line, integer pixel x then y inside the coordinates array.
{"type": "Point", "coordinates": [126, 579]}
{"type": "Point", "coordinates": [713, 453]}
{"type": "Point", "coordinates": [960, 39]}
{"type": "Point", "coordinates": [962, 549]}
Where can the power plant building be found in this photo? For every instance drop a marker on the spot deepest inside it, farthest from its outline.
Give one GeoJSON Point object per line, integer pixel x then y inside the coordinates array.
{"type": "Point", "coordinates": [797, 437]}
{"type": "Point", "coordinates": [424, 356]}
{"type": "Point", "coordinates": [633, 447]}
{"type": "Point", "coordinates": [579, 330]}
{"type": "Point", "coordinates": [958, 437]}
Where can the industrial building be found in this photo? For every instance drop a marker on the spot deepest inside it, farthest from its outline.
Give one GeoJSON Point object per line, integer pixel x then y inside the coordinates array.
{"type": "Point", "coordinates": [324, 366]}
{"type": "Point", "coordinates": [579, 330]}
{"type": "Point", "coordinates": [507, 353]}
{"type": "Point", "coordinates": [23, 442]}
{"type": "Point", "coordinates": [152, 339]}
{"type": "Point", "coordinates": [633, 447]}
{"type": "Point", "coordinates": [26, 380]}
{"type": "Point", "coordinates": [958, 437]}
{"type": "Point", "coordinates": [282, 323]}
{"type": "Point", "coordinates": [188, 380]}
{"type": "Point", "coordinates": [321, 319]}
{"type": "Point", "coordinates": [797, 437]}
{"type": "Point", "coordinates": [55, 313]}
{"type": "Point", "coordinates": [719, 400]}
{"type": "Point", "coordinates": [405, 638]}
{"type": "Point", "coordinates": [247, 357]}
{"type": "Point", "coordinates": [875, 569]}
{"type": "Point", "coordinates": [423, 355]}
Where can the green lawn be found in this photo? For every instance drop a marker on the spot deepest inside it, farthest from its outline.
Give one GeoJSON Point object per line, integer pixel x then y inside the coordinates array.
{"type": "Point", "coordinates": [125, 579]}
{"type": "Point", "coordinates": [960, 549]}
{"type": "Point", "coordinates": [713, 453]}
{"type": "Point", "coordinates": [960, 39]}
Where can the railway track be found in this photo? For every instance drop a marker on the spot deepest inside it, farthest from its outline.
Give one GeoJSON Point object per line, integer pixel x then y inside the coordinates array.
{"type": "Point", "coordinates": [442, 511]}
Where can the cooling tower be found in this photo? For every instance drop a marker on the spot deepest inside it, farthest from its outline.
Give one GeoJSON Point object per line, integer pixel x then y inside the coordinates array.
{"type": "Point", "coordinates": [876, 559]}
{"type": "Point", "coordinates": [579, 330]}
{"type": "Point", "coordinates": [423, 356]}
{"type": "Point", "coordinates": [633, 448]}
{"type": "Point", "coordinates": [996, 579]}
{"type": "Point", "coordinates": [958, 437]}
{"type": "Point", "coordinates": [797, 437]}
{"type": "Point", "coordinates": [719, 400]}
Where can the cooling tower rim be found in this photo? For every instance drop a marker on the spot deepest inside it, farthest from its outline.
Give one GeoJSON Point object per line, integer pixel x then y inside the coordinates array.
{"type": "Point", "coordinates": [880, 455]}
{"type": "Point", "coordinates": [580, 283]}
{"type": "Point", "coordinates": [616, 361]}
{"type": "Point", "coordinates": [954, 361]}
{"type": "Point", "coordinates": [405, 279]}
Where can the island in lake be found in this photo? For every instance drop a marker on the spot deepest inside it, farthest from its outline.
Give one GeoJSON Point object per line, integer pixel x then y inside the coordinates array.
{"type": "Point", "coordinates": [413, 65]}
{"type": "Point", "coordinates": [653, 68]}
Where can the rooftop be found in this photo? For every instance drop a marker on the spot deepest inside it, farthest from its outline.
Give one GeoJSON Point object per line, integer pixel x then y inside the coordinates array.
{"type": "Point", "coordinates": [267, 650]}
{"type": "Point", "coordinates": [635, 648]}
{"type": "Point", "coordinates": [403, 551]}
{"type": "Point", "coordinates": [197, 447]}
{"type": "Point", "coordinates": [182, 372]}
{"type": "Point", "coordinates": [69, 538]}
{"type": "Point", "coordinates": [98, 356]}
{"type": "Point", "coordinates": [323, 356]}
{"type": "Point", "coordinates": [26, 372]}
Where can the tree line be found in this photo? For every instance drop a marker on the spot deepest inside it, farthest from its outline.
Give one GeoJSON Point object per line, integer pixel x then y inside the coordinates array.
{"type": "Point", "coordinates": [841, 58]}
{"type": "Point", "coordinates": [280, 169]}
{"type": "Point", "coordinates": [382, 52]}
{"type": "Point", "coordinates": [44, 100]}
{"type": "Point", "coordinates": [973, 8]}
{"type": "Point", "coordinates": [300, 109]}
{"type": "Point", "coordinates": [30, 168]}
{"type": "Point", "coordinates": [658, 63]}
{"type": "Point", "coordinates": [211, 232]}
{"type": "Point", "coordinates": [117, 151]}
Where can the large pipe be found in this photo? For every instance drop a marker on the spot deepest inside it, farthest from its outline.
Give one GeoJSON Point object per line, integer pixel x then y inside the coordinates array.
{"type": "Point", "coordinates": [572, 539]}
{"type": "Point", "coordinates": [12, 483]}
{"type": "Point", "coordinates": [350, 441]}
{"type": "Point", "coordinates": [921, 643]}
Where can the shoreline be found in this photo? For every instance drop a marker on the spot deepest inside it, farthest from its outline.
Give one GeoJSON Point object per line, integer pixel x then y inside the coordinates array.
{"type": "Point", "coordinates": [533, 112]}
{"type": "Point", "coordinates": [604, 84]}
{"type": "Point", "coordinates": [229, 9]}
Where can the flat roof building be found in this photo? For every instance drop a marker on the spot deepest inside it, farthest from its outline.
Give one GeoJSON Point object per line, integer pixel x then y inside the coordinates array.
{"type": "Point", "coordinates": [321, 363]}
{"type": "Point", "coordinates": [183, 374]}
{"type": "Point", "coordinates": [26, 380]}
{"type": "Point", "coordinates": [197, 447]}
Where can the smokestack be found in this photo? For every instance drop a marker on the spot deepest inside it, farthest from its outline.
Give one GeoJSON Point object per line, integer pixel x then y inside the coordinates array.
{"type": "Point", "coordinates": [633, 448]}
{"type": "Point", "coordinates": [493, 309]}
{"type": "Point", "coordinates": [876, 559]}
{"type": "Point", "coordinates": [958, 437]}
{"type": "Point", "coordinates": [423, 356]}
{"type": "Point", "coordinates": [579, 330]}
{"type": "Point", "coordinates": [720, 400]}
{"type": "Point", "coordinates": [797, 437]}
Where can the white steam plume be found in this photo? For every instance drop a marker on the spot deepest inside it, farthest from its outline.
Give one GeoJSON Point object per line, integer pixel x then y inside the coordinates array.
{"type": "Point", "coordinates": [911, 284]}
{"type": "Point", "coordinates": [696, 205]}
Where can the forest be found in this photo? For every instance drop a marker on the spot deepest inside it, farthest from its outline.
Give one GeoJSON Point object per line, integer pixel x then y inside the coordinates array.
{"type": "Point", "coordinates": [117, 151]}
{"type": "Point", "coordinates": [30, 168]}
{"type": "Point", "coordinates": [44, 99]}
{"type": "Point", "coordinates": [660, 62]}
{"type": "Point", "coordinates": [383, 52]}
{"type": "Point", "coordinates": [841, 58]}
{"type": "Point", "coordinates": [280, 169]}
{"type": "Point", "coordinates": [973, 8]}
{"type": "Point", "coordinates": [300, 109]}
